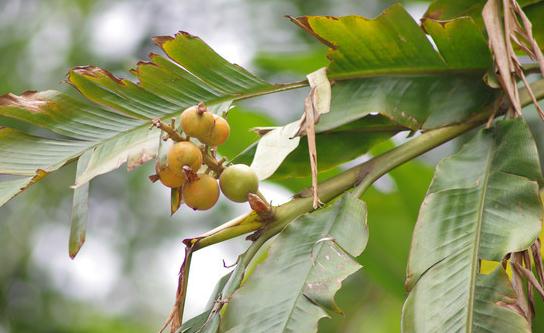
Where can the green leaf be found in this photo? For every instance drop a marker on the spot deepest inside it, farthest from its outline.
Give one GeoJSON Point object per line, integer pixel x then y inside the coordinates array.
{"type": "Point", "coordinates": [447, 9]}
{"type": "Point", "coordinates": [391, 43]}
{"type": "Point", "coordinates": [396, 71]}
{"type": "Point", "coordinates": [535, 13]}
{"type": "Point", "coordinates": [22, 154]}
{"type": "Point", "coordinates": [114, 128]}
{"type": "Point", "coordinates": [80, 207]}
{"type": "Point", "coordinates": [482, 204]}
{"type": "Point", "coordinates": [307, 262]}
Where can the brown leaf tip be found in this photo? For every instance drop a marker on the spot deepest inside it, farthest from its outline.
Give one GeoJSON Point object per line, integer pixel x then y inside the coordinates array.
{"type": "Point", "coordinates": [184, 34]}
{"type": "Point", "coordinates": [160, 40]}
{"type": "Point", "coordinates": [30, 100]}
{"type": "Point", "coordinates": [302, 22]}
{"type": "Point", "coordinates": [95, 72]}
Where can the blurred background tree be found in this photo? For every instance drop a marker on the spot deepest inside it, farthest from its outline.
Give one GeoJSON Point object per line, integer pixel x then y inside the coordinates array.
{"type": "Point", "coordinates": [124, 278]}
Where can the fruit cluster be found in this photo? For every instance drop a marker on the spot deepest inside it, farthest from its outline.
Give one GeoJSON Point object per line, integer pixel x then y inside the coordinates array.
{"type": "Point", "coordinates": [181, 167]}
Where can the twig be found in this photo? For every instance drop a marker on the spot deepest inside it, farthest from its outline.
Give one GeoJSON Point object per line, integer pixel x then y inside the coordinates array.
{"type": "Point", "coordinates": [172, 133]}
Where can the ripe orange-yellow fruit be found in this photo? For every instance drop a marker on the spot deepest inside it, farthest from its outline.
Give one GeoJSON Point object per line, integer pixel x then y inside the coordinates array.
{"type": "Point", "coordinates": [169, 178]}
{"type": "Point", "coordinates": [182, 154]}
{"type": "Point", "coordinates": [201, 194]}
{"type": "Point", "coordinates": [196, 122]}
{"type": "Point", "coordinates": [218, 134]}
{"type": "Point", "coordinates": [237, 181]}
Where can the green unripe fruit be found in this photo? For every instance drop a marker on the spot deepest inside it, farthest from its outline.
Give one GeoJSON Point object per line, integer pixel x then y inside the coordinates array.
{"type": "Point", "coordinates": [202, 193]}
{"type": "Point", "coordinates": [197, 122]}
{"type": "Point", "coordinates": [237, 181]}
{"type": "Point", "coordinates": [182, 154]}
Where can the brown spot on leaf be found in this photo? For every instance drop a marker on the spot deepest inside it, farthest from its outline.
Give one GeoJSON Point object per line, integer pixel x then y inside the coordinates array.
{"type": "Point", "coordinates": [96, 72]}
{"type": "Point", "coordinates": [184, 34]}
{"type": "Point", "coordinates": [30, 100]}
{"type": "Point", "coordinates": [159, 40]}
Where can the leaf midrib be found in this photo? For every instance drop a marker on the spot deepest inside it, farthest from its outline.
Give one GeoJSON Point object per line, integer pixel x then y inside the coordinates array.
{"type": "Point", "coordinates": [476, 248]}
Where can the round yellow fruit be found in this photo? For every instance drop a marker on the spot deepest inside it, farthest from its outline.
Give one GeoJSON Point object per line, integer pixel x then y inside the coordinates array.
{"type": "Point", "coordinates": [218, 133]}
{"type": "Point", "coordinates": [201, 194]}
{"type": "Point", "coordinates": [169, 178]}
{"type": "Point", "coordinates": [237, 181]}
{"type": "Point", "coordinates": [182, 154]}
{"type": "Point", "coordinates": [196, 122]}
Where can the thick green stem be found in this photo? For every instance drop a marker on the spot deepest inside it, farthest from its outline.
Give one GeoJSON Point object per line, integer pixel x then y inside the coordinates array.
{"type": "Point", "coordinates": [362, 175]}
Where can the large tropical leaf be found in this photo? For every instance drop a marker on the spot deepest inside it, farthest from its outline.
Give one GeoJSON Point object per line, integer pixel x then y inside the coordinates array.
{"type": "Point", "coordinates": [114, 127]}
{"type": "Point", "coordinates": [396, 65]}
{"type": "Point", "coordinates": [388, 65]}
{"type": "Point", "coordinates": [295, 285]}
{"type": "Point", "coordinates": [384, 65]}
{"type": "Point", "coordinates": [482, 204]}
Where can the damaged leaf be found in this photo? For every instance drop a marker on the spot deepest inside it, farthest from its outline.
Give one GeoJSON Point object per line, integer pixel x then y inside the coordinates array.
{"type": "Point", "coordinates": [114, 125]}
{"type": "Point", "coordinates": [306, 265]}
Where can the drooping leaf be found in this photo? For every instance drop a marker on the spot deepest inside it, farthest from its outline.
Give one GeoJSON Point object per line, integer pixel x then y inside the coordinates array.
{"type": "Point", "coordinates": [482, 204]}
{"type": "Point", "coordinates": [80, 207]}
{"type": "Point", "coordinates": [295, 285]}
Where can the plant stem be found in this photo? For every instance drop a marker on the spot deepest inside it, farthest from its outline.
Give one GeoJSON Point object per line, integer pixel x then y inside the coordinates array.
{"type": "Point", "coordinates": [362, 176]}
